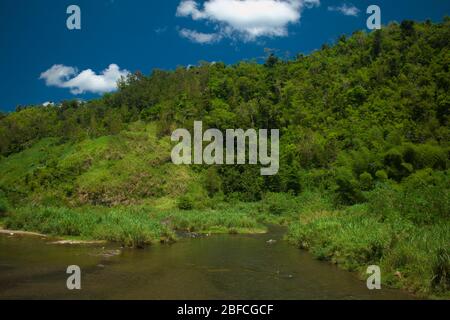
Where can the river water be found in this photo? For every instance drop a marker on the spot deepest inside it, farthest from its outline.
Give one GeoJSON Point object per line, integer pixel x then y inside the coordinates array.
{"type": "Point", "coordinates": [216, 267]}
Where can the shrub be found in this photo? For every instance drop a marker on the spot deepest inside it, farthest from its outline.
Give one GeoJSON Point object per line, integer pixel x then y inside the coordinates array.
{"type": "Point", "coordinates": [381, 175]}
{"type": "Point", "coordinates": [244, 183]}
{"type": "Point", "coordinates": [185, 203]}
{"type": "Point", "coordinates": [348, 188]}
{"type": "Point", "coordinates": [425, 197]}
{"type": "Point", "coordinates": [422, 198]}
{"type": "Point", "coordinates": [382, 200]}
{"type": "Point", "coordinates": [277, 203]}
{"type": "Point", "coordinates": [4, 206]}
{"type": "Point", "coordinates": [366, 181]}
{"type": "Point", "coordinates": [212, 182]}
{"type": "Point", "coordinates": [321, 179]}
{"type": "Point", "coordinates": [393, 161]}
{"type": "Point", "coordinates": [425, 156]}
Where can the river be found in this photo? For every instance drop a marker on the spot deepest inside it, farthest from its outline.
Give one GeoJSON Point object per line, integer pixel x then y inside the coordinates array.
{"type": "Point", "coordinates": [215, 267]}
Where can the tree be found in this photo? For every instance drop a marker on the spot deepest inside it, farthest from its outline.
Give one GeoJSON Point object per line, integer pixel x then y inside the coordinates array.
{"type": "Point", "coordinates": [271, 61]}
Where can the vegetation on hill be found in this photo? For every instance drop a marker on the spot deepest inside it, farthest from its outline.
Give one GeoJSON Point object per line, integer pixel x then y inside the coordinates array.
{"type": "Point", "coordinates": [364, 155]}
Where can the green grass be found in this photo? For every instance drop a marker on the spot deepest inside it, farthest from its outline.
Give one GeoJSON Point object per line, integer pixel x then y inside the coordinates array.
{"type": "Point", "coordinates": [132, 226]}
{"type": "Point", "coordinates": [4, 206]}
{"type": "Point", "coordinates": [229, 220]}
{"type": "Point", "coordinates": [350, 240]}
{"type": "Point", "coordinates": [411, 256]}
{"type": "Point", "coordinates": [125, 169]}
{"type": "Point", "coordinates": [283, 209]}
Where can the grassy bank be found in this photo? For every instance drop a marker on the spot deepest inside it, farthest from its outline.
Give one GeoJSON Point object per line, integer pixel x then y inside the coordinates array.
{"type": "Point", "coordinates": [133, 227]}
{"type": "Point", "coordinates": [393, 230]}
{"type": "Point", "coordinates": [129, 227]}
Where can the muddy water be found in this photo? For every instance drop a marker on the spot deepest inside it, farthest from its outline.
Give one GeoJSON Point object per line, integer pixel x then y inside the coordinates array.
{"type": "Point", "coordinates": [216, 267]}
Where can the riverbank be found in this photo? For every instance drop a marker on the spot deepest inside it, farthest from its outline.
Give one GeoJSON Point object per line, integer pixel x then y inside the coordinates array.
{"type": "Point", "coordinates": [130, 226]}
{"type": "Point", "coordinates": [21, 233]}
{"type": "Point", "coordinates": [55, 240]}
{"type": "Point", "coordinates": [412, 256]}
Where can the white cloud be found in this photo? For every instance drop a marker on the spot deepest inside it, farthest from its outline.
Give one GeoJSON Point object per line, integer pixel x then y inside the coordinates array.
{"type": "Point", "coordinates": [56, 75]}
{"type": "Point", "coordinates": [248, 19]}
{"type": "Point", "coordinates": [199, 37]}
{"type": "Point", "coordinates": [86, 81]}
{"type": "Point", "coordinates": [346, 9]}
{"type": "Point", "coordinates": [48, 103]}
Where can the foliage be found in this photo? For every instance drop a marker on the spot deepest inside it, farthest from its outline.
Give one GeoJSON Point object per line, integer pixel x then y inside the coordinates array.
{"type": "Point", "coordinates": [185, 203]}
{"type": "Point", "coordinates": [133, 226]}
{"type": "Point", "coordinates": [130, 227]}
{"type": "Point", "coordinates": [4, 206]}
{"type": "Point", "coordinates": [372, 103]}
{"type": "Point", "coordinates": [228, 220]}
{"type": "Point", "coordinates": [278, 203]}
{"type": "Point", "coordinates": [423, 198]}
{"type": "Point", "coordinates": [410, 256]}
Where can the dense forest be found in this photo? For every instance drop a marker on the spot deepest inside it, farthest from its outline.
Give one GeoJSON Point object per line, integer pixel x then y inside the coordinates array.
{"type": "Point", "coordinates": [364, 154]}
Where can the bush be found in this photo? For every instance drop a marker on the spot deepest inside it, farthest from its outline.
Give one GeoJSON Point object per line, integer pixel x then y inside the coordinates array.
{"type": "Point", "coordinates": [212, 182]}
{"type": "Point", "coordinates": [4, 206]}
{"type": "Point", "coordinates": [422, 198]}
{"type": "Point", "coordinates": [425, 197]}
{"type": "Point", "coordinates": [277, 203]}
{"type": "Point", "coordinates": [393, 161]}
{"type": "Point", "coordinates": [381, 175]}
{"type": "Point", "coordinates": [366, 181]}
{"type": "Point", "coordinates": [348, 188]}
{"type": "Point", "coordinates": [185, 203]}
{"type": "Point", "coordinates": [425, 156]}
{"type": "Point", "coordinates": [383, 200]}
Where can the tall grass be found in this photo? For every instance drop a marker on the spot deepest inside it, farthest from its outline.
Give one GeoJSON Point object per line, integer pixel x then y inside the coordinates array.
{"type": "Point", "coordinates": [226, 220]}
{"type": "Point", "coordinates": [348, 240]}
{"type": "Point", "coordinates": [406, 234]}
{"type": "Point", "coordinates": [130, 227]}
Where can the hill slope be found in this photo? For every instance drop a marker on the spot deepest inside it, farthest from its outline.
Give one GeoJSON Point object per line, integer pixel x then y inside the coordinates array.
{"type": "Point", "coordinates": [373, 103]}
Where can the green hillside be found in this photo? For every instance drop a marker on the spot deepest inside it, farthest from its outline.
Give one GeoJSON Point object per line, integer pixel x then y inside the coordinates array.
{"type": "Point", "coordinates": [364, 156]}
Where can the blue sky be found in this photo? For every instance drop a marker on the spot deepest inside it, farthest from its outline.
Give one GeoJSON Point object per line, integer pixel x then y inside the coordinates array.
{"type": "Point", "coordinates": [129, 35]}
